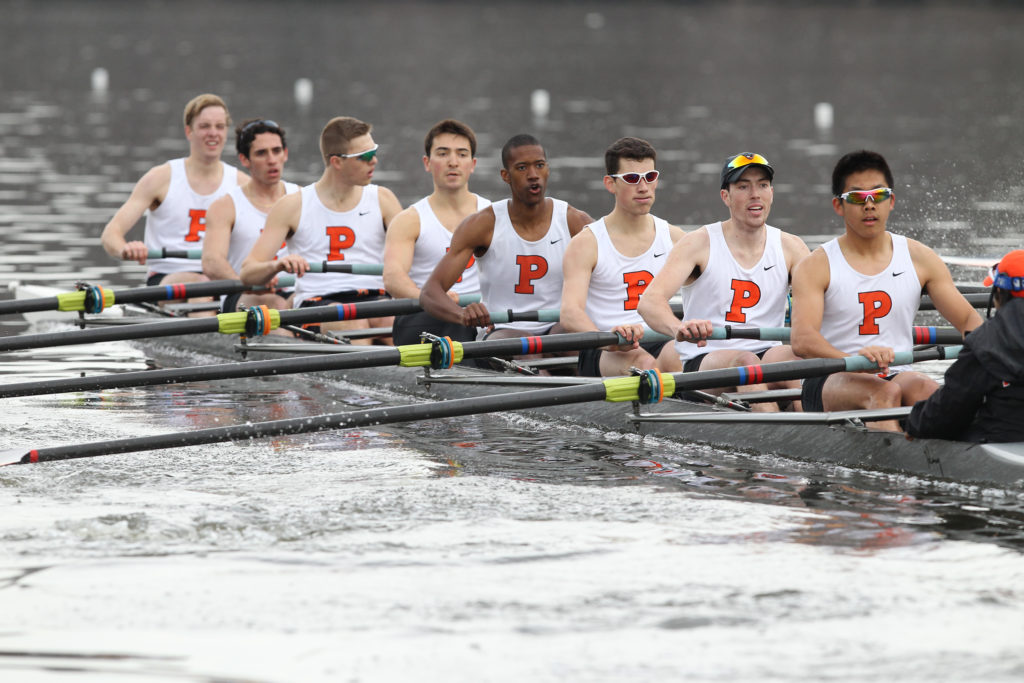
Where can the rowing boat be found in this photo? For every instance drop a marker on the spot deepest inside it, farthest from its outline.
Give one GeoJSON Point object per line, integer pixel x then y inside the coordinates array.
{"type": "Point", "coordinates": [838, 439]}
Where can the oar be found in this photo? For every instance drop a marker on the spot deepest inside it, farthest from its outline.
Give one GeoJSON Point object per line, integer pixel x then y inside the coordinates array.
{"type": "Point", "coordinates": [835, 417]}
{"type": "Point", "coordinates": [411, 355]}
{"type": "Point", "coordinates": [95, 299]}
{"type": "Point", "coordinates": [647, 387]}
{"type": "Point", "coordinates": [316, 267]}
{"type": "Point", "coordinates": [922, 334]}
{"type": "Point", "coordinates": [977, 299]}
{"type": "Point", "coordinates": [254, 322]}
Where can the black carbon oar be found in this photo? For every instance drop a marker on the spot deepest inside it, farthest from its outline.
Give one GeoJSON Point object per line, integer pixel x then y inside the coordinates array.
{"type": "Point", "coordinates": [976, 299]}
{"type": "Point", "coordinates": [254, 322]}
{"type": "Point", "coordinates": [411, 355]}
{"type": "Point", "coordinates": [648, 387]}
{"type": "Point", "coordinates": [96, 299]}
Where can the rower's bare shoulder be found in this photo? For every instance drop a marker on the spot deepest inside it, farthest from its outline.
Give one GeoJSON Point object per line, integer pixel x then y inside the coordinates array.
{"type": "Point", "coordinates": [577, 219]}
{"type": "Point", "coordinates": [406, 225]}
{"type": "Point", "coordinates": [812, 268]}
{"type": "Point", "coordinates": [675, 233]}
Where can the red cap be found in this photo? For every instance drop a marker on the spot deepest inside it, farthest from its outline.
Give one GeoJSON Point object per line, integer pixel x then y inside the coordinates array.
{"type": "Point", "coordinates": [1008, 274]}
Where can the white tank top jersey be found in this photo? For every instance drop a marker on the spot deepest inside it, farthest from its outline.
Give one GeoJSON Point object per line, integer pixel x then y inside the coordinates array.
{"type": "Point", "coordinates": [728, 294]}
{"type": "Point", "coordinates": [355, 236]}
{"type": "Point", "coordinates": [433, 242]}
{"type": "Point", "coordinates": [871, 310]}
{"type": "Point", "coordinates": [618, 281]}
{"type": "Point", "coordinates": [249, 222]}
{"type": "Point", "coordinates": [520, 275]}
{"type": "Point", "coordinates": [180, 220]}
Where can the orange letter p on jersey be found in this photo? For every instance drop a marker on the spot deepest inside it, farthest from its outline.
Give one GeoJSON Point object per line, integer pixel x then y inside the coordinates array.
{"type": "Point", "coordinates": [745, 294]}
{"type": "Point", "coordinates": [531, 267]}
{"type": "Point", "coordinates": [876, 305]}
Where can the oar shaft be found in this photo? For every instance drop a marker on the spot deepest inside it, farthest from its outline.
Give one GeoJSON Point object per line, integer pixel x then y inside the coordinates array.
{"type": "Point", "coordinates": [800, 369]}
{"type": "Point", "coordinates": [74, 301]}
{"type": "Point", "coordinates": [120, 333]}
{"type": "Point", "coordinates": [306, 425]}
{"type": "Point", "coordinates": [353, 268]}
{"type": "Point", "coordinates": [320, 363]}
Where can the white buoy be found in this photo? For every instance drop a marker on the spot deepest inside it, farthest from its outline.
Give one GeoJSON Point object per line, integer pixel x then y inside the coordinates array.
{"type": "Point", "coordinates": [823, 116]}
{"type": "Point", "coordinates": [100, 80]}
{"type": "Point", "coordinates": [303, 92]}
{"type": "Point", "coordinates": [540, 103]}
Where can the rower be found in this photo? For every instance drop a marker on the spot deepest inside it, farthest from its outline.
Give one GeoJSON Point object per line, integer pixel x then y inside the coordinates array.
{"type": "Point", "coordinates": [340, 217]}
{"type": "Point", "coordinates": [518, 244]}
{"type": "Point", "coordinates": [859, 294]}
{"type": "Point", "coordinates": [982, 398]}
{"type": "Point", "coordinates": [610, 262]}
{"type": "Point", "coordinates": [422, 233]}
{"type": "Point", "coordinates": [734, 272]}
{"type": "Point", "coordinates": [175, 196]}
{"type": "Point", "coordinates": [234, 222]}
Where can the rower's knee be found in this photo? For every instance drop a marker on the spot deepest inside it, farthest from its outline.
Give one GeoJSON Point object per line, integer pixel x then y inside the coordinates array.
{"type": "Point", "coordinates": [885, 395]}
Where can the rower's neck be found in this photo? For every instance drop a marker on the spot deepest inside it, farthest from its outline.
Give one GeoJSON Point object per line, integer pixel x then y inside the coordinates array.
{"type": "Point", "coordinates": [262, 192]}
{"type": "Point", "coordinates": [531, 219]}
{"type": "Point", "coordinates": [337, 195]}
{"type": "Point", "coordinates": [626, 222]}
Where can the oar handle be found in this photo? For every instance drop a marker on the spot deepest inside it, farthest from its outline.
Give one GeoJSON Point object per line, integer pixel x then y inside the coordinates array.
{"type": "Point", "coordinates": [353, 268]}
{"type": "Point", "coordinates": [194, 254]}
{"type": "Point", "coordinates": [922, 334]}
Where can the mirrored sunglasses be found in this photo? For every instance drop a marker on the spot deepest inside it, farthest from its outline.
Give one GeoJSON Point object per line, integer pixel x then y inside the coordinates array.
{"type": "Point", "coordinates": [877, 195]}
{"type": "Point", "coordinates": [365, 155]}
{"type": "Point", "coordinates": [741, 160]}
{"type": "Point", "coordinates": [634, 178]}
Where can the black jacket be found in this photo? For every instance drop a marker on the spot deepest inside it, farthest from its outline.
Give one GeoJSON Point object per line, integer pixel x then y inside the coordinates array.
{"type": "Point", "coordinates": [982, 399]}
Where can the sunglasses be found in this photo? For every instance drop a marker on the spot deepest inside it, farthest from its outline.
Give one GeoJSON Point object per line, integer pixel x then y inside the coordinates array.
{"type": "Point", "coordinates": [741, 160]}
{"type": "Point", "coordinates": [257, 122]}
{"type": "Point", "coordinates": [366, 155]}
{"type": "Point", "coordinates": [634, 178]}
{"type": "Point", "coordinates": [877, 195]}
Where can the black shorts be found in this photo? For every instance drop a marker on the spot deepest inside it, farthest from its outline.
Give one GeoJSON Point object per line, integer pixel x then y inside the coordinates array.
{"type": "Point", "coordinates": [693, 364]}
{"type": "Point", "coordinates": [154, 278]}
{"type": "Point", "coordinates": [406, 329]}
{"type": "Point", "coordinates": [589, 362]}
{"type": "Point", "coordinates": [229, 302]}
{"type": "Point", "coordinates": [348, 296]}
{"type": "Point", "coordinates": [810, 392]}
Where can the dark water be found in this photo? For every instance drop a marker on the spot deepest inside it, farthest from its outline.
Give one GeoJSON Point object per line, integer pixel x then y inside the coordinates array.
{"type": "Point", "coordinates": [495, 548]}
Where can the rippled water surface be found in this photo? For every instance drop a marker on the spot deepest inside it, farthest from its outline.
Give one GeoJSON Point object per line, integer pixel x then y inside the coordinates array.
{"type": "Point", "coordinates": [494, 548]}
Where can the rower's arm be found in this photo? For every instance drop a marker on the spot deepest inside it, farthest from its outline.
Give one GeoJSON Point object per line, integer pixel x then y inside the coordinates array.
{"type": "Point", "coordinates": [471, 238]}
{"type": "Point", "coordinates": [399, 249]}
{"type": "Point", "coordinates": [220, 220]}
{"type": "Point", "coordinates": [684, 257]}
{"type": "Point", "coordinates": [937, 281]}
{"type": "Point", "coordinates": [148, 193]}
{"type": "Point", "coordinates": [795, 251]}
{"type": "Point", "coordinates": [810, 280]}
{"type": "Point", "coordinates": [260, 267]}
{"type": "Point", "coordinates": [577, 267]}
{"type": "Point", "coordinates": [390, 207]}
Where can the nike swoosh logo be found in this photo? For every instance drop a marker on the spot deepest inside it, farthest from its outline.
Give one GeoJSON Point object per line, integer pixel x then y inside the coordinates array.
{"type": "Point", "coordinates": [363, 213]}
{"type": "Point", "coordinates": [659, 255]}
{"type": "Point", "coordinates": [899, 273]}
{"type": "Point", "coordinates": [556, 241]}
{"type": "Point", "coordinates": [770, 267]}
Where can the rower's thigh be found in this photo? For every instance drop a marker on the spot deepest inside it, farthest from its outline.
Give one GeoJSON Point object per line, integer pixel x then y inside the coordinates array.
{"type": "Point", "coordinates": [728, 358]}
{"type": "Point", "coordinates": [858, 390]}
{"type": "Point", "coordinates": [779, 354]}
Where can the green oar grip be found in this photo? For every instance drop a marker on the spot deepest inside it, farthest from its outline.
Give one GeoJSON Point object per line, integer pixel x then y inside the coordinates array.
{"type": "Point", "coordinates": [75, 301]}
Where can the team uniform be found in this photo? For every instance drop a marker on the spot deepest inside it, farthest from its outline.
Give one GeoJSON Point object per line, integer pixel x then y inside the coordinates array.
{"type": "Point", "coordinates": [179, 221]}
{"type": "Point", "coordinates": [616, 284]}
{"type": "Point", "coordinates": [432, 243]}
{"type": "Point", "coordinates": [354, 236]}
{"type": "Point", "coordinates": [758, 296]}
{"type": "Point", "coordinates": [519, 275]}
{"type": "Point", "coordinates": [867, 310]}
{"type": "Point", "coordinates": [249, 223]}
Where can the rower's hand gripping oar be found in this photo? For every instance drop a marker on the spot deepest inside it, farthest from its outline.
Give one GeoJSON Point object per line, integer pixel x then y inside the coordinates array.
{"type": "Point", "coordinates": [649, 387]}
